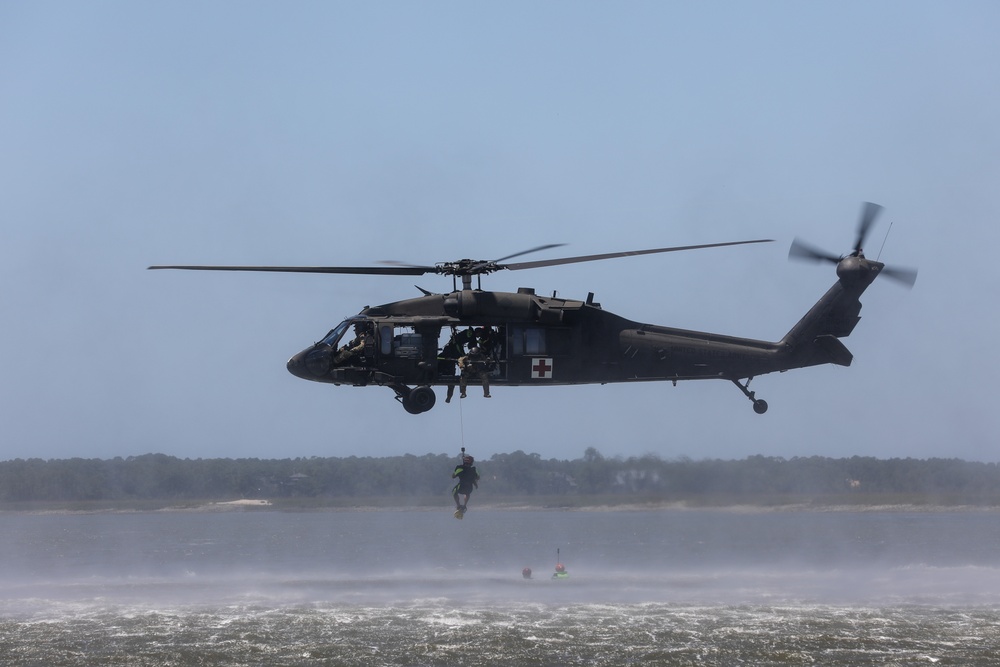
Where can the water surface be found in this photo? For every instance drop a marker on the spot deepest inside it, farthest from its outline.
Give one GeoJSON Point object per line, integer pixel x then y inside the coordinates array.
{"type": "Point", "coordinates": [397, 587]}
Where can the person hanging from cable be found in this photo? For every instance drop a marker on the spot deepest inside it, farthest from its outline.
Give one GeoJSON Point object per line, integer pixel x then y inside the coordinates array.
{"type": "Point", "coordinates": [468, 479]}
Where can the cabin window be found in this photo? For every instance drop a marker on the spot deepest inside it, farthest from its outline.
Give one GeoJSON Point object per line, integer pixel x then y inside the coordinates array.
{"type": "Point", "coordinates": [385, 339]}
{"type": "Point", "coordinates": [527, 341]}
{"type": "Point", "coordinates": [534, 341]}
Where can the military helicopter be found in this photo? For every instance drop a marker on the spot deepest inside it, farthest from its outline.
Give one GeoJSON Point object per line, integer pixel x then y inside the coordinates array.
{"type": "Point", "coordinates": [413, 345]}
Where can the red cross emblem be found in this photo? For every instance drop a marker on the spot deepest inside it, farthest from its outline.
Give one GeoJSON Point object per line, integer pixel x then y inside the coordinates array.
{"type": "Point", "coordinates": [541, 369]}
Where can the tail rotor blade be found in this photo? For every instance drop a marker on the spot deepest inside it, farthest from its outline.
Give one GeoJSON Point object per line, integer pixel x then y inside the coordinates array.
{"type": "Point", "coordinates": [802, 250]}
{"type": "Point", "coordinates": [869, 212]}
{"type": "Point", "coordinates": [906, 276]}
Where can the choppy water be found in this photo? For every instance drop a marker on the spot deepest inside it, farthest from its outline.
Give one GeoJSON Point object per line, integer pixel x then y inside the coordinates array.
{"type": "Point", "coordinates": [667, 587]}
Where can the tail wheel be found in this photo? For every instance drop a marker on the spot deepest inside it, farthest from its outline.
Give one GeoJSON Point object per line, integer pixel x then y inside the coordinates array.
{"type": "Point", "coordinates": [759, 404]}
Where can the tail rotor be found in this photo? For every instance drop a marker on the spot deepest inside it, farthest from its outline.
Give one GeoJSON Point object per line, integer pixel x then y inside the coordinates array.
{"type": "Point", "coordinates": [869, 213]}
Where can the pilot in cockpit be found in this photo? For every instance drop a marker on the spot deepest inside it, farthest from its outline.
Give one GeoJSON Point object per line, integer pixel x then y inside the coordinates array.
{"type": "Point", "coordinates": [356, 348]}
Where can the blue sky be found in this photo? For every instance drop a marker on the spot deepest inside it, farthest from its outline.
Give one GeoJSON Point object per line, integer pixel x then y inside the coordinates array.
{"type": "Point", "coordinates": [348, 133]}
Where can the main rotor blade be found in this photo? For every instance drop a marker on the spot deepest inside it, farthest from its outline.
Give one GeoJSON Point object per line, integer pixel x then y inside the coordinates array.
{"type": "Point", "coordinates": [525, 252]}
{"type": "Point", "coordinates": [612, 255]}
{"type": "Point", "coordinates": [476, 268]}
{"type": "Point", "coordinates": [802, 250]}
{"type": "Point", "coordinates": [869, 212]}
{"type": "Point", "coordinates": [906, 276]}
{"type": "Point", "coordinates": [364, 270]}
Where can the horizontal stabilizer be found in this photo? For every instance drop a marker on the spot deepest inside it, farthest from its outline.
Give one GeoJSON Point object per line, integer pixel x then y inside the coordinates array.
{"type": "Point", "coordinates": [833, 350]}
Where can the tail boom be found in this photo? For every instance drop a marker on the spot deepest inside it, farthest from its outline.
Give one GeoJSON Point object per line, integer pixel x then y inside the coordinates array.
{"type": "Point", "coordinates": [814, 340]}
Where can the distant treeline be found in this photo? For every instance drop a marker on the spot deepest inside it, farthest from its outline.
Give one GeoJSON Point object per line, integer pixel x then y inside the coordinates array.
{"type": "Point", "coordinates": [518, 474]}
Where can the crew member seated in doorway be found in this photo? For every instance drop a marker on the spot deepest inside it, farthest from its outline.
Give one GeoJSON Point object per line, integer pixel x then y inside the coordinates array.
{"type": "Point", "coordinates": [473, 365]}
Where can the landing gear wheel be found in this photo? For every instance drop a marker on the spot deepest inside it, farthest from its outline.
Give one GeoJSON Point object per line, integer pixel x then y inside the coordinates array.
{"type": "Point", "coordinates": [759, 404]}
{"type": "Point", "coordinates": [420, 399]}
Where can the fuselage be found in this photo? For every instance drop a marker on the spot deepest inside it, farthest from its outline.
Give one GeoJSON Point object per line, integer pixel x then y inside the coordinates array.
{"type": "Point", "coordinates": [535, 340]}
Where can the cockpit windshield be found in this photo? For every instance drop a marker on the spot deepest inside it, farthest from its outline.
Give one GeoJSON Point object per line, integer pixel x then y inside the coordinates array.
{"type": "Point", "coordinates": [333, 338]}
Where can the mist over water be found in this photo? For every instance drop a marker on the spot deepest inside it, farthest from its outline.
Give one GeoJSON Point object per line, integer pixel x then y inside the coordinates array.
{"type": "Point", "coordinates": [418, 587]}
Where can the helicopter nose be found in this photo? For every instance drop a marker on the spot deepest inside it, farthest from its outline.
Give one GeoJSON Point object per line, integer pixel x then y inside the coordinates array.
{"type": "Point", "coordinates": [311, 364]}
{"type": "Point", "coordinates": [296, 365]}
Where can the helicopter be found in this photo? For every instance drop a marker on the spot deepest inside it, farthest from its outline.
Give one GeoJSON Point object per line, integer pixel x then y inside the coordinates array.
{"type": "Point", "coordinates": [526, 339]}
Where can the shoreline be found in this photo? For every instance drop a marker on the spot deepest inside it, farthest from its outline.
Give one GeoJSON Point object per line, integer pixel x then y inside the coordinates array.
{"type": "Point", "coordinates": [743, 505]}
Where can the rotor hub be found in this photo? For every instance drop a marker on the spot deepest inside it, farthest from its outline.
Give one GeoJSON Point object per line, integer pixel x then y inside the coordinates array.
{"type": "Point", "coordinates": [467, 267]}
{"type": "Point", "coordinates": [853, 268]}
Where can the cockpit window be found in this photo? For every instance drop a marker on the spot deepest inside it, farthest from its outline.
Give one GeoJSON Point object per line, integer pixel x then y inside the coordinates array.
{"type": "Point", "coordinates": [333, 338]}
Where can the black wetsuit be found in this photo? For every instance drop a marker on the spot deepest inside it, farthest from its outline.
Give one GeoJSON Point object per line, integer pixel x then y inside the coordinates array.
{"type": "Point", "coordinates": [468, 479]}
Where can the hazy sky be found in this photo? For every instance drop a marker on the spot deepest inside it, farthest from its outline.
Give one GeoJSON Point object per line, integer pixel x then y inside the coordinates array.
{"type": "Point", "coordinates": [347, 133]}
